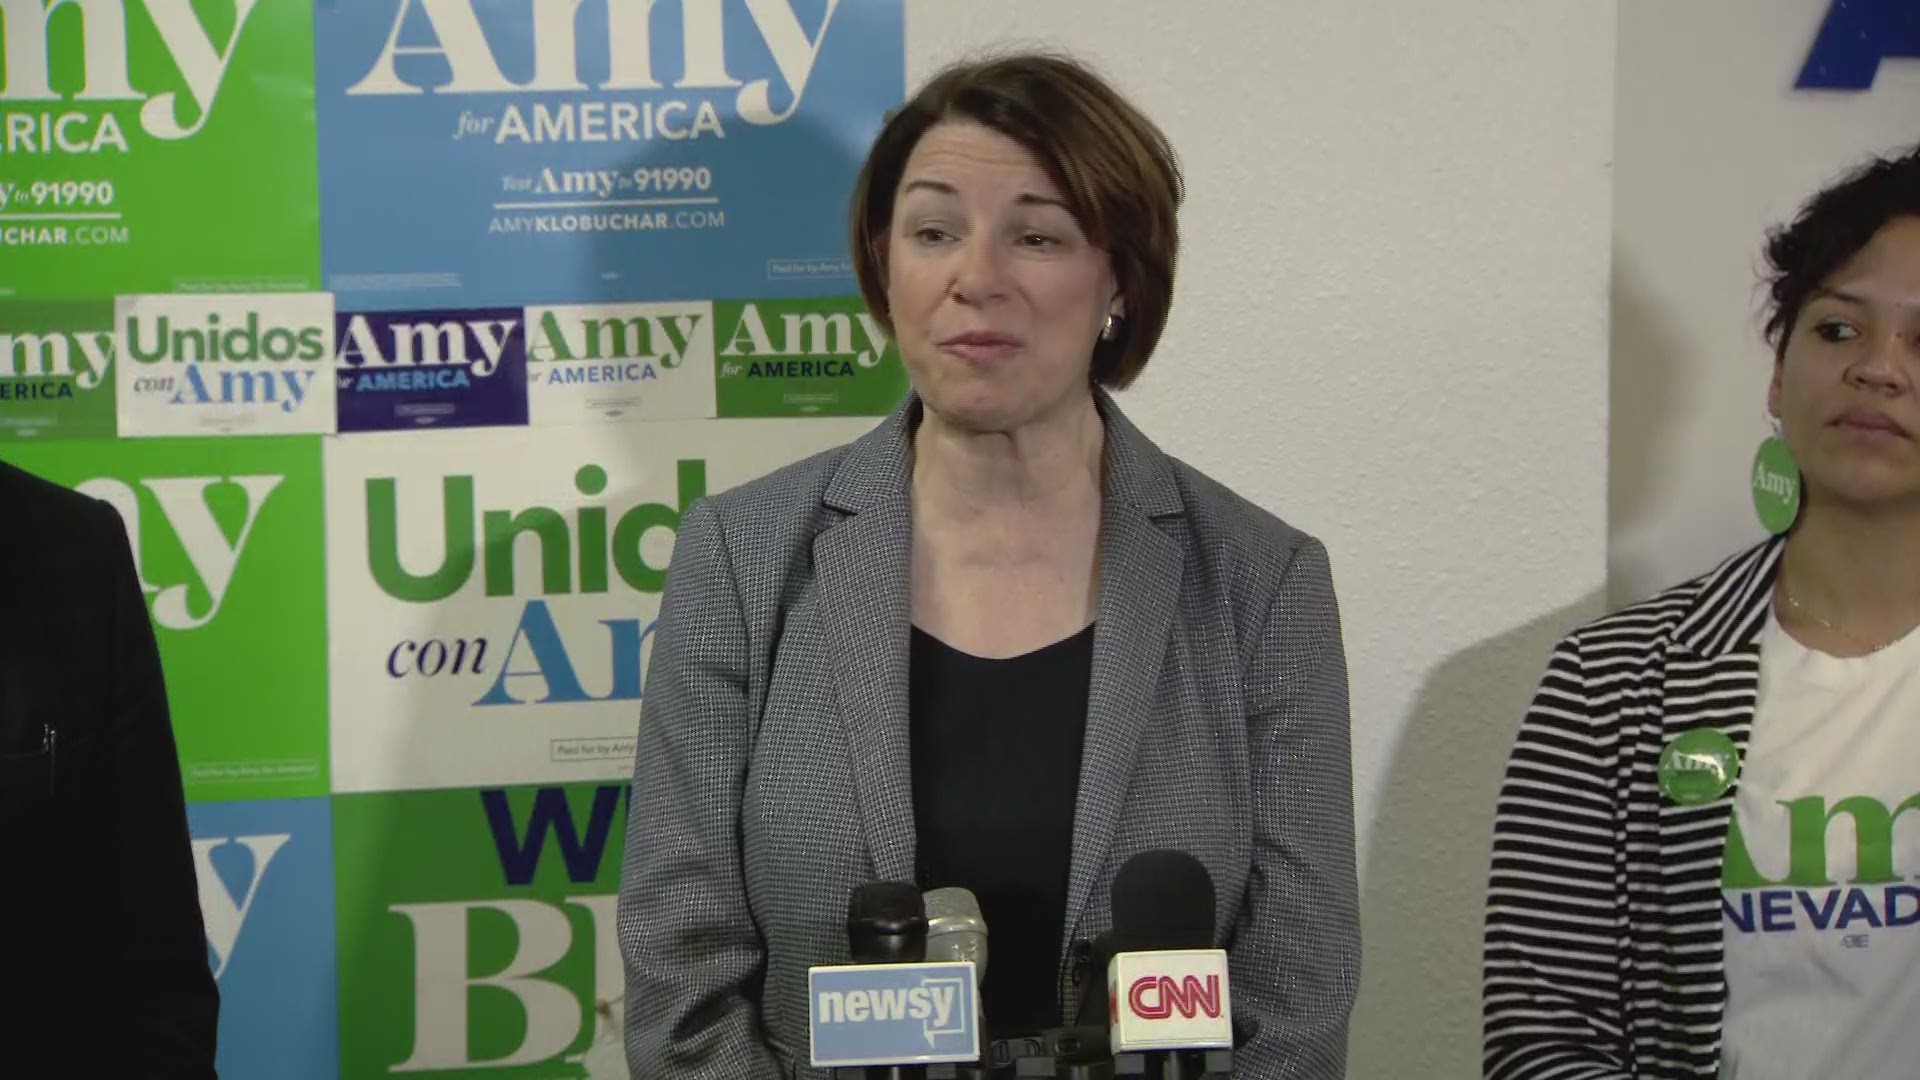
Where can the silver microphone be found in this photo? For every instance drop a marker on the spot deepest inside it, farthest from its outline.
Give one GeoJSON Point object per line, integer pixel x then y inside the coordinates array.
{"type": "Point", "coordinates": [955, 928]}
{"type": "Point", "coordinates": [957, 931]}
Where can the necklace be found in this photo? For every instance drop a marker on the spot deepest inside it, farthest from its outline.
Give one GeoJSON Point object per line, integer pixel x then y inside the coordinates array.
{"type": "Point", "coordinates": [1794, 603]}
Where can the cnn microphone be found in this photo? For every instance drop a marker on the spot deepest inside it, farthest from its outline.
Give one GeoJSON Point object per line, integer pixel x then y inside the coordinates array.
{"type": "Point", "coordinates": [1168, 1002]}
{"type": "Point", "coordinates": [890, 1013]}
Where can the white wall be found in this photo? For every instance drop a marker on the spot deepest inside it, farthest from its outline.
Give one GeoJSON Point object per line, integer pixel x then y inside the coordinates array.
{"type": "Point", "coordinates": [1390, 329]}
{"type": "Point", "coordinates": [1714, 145]}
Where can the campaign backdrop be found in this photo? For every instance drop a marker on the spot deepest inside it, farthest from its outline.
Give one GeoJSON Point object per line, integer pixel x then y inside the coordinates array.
{"type": "Point", "coordinates": [401, 334]}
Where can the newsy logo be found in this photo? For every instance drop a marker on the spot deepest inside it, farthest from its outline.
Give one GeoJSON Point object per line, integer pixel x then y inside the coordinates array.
{"type": "Point", "coordinates": [176, 98]}
{"type": "Point", "coordinates": [892, 1014]}
{"type": "Point", "coordinates": [1855, 37]}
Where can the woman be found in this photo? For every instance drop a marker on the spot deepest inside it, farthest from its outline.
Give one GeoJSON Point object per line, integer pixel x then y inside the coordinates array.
{"type": "Point", "coordinates": [1668, 897]}
{"type": "Point", "coordinates": [1002, 642]}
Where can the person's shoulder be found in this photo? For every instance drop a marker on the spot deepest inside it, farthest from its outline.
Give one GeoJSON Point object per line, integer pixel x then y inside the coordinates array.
{"type": "Point", "coordinates": [1235, 529]}
{"type": "Point", "coordinates": [55, 541]}
{"type": "Point", "coordinates": [761, 527]}
{"type": "Point", "coordinates": [1652, 621]}
{"type": "Point", "coordinates": [39, 505]}
{"type": "Point", "coordinates": [795, 489]}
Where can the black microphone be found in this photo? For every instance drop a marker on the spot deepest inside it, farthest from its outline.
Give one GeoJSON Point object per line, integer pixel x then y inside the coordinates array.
{"type": "Point", "coordinates": [886, 924]}
{"type": "Point", "coordinates": [1162, 899]}
{"type": "Point", "coordinates": [1162, 902]}
{"type": "Point", "coordinates": [1163, 920]}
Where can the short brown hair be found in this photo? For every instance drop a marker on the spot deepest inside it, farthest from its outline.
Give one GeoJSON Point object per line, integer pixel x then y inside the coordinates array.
{"type": "Point", "coordinates": [1115, 167]}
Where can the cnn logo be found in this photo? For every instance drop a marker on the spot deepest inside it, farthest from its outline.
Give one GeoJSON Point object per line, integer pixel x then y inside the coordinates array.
{"type": "Point", "coordinates": [1172, 999]}
{"type": "Point", "coordinates": [1157, 997]}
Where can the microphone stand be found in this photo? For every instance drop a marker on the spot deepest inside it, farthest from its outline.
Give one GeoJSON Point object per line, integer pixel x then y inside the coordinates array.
{"type": "Point", "coordinates": [1175, 1064]}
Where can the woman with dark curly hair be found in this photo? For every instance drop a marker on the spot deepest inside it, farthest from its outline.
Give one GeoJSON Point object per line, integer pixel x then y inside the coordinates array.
{"type": "Point", "coordinates": [1703, 864]}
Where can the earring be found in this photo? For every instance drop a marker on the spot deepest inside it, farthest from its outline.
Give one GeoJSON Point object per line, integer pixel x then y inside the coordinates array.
{"type": "Point", "coordinates": [1112, 328]}
{"type": "Point", "coordinates": [1776, 483]}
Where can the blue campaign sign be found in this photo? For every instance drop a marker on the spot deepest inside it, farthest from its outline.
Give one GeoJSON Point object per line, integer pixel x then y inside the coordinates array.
{"type": "Point", "coordinates": [489, 153]}
{"type": "Point", "coordinates": [1855, 37]}
{"type": "Point", "coordinates": [893, 1014]}
{"type": "Point", "coordinates": [265, 871]}
{"type": "Point", "coordinates": [401, 370]}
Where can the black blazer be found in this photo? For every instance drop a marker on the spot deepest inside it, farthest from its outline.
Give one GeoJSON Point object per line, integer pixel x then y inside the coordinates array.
{"type": "Point", "coordinates": [106, 954]}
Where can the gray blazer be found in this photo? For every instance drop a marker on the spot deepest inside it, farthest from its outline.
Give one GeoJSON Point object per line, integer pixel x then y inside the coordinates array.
{"type": "Point", "coordinates": [772, 771]}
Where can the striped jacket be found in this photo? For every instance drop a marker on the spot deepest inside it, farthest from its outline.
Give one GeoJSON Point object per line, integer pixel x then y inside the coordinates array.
{"type": "Point", "coordinates": [1602, 956]}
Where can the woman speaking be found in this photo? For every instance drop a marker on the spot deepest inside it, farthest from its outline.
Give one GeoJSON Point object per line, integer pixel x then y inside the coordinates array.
{"type": "Point", "coordinates": [1002, 642]}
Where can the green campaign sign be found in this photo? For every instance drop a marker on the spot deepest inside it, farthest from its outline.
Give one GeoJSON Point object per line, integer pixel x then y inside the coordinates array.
{"type": "Point", "coordinates": [477, 931]}
{"type": "Point", "coordinates": [228, 550]}
{"type": "Point", "coordinates": [56, 369]}
{"type": "Point", "coordinates": [157, 145]}
{"type": "Point", "coordinates": [826, 357]}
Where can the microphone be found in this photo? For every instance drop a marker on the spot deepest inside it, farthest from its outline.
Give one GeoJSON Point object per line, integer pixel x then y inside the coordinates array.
{"type": "Point", "coordinates": [1162, 899]}
{"type": "Point", "coordinates": [955, 928]}
{"type": "Point", "coordinates": [886, 924]}
{"type": "Point", "coordinates": [890, 1013]}
{"type": "Point", "coordinates": [1167, 995]}
{"type": "Point", "coordinates": [957, 933]}
{"type": "Point", "coordinates": [1162, 902]}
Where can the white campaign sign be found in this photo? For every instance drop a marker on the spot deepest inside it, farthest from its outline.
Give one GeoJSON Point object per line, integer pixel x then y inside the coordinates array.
{"type": "Point", "coordinates": [226, 364]}
{"type": "Point", "coordinates": [594, 362]}
{"type": "Point", "coordinates": [492, 600]}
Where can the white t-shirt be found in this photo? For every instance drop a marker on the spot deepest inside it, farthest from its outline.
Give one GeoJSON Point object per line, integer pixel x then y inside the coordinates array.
{"type": "Point", "coordinates": [1821, 904]}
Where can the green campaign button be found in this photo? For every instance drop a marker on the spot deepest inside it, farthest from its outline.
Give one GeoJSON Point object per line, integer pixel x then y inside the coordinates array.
{"type": "Point", "coordinates": [1698, 767]}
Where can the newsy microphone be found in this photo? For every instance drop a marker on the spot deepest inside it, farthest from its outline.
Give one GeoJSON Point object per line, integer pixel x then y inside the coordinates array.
{"type": "Point", "coordinates": [955, 928]}
{"type": "Point", "coordinates": [1167, 994]}
{"type": "Point", "coordinates": [890, 1013]}
{"type": "Point", "coordinates": [956, 931]}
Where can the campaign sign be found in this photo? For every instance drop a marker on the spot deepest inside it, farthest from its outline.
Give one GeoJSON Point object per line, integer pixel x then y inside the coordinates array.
{"type": "Point", "coordinates": [226, 540]}
{"type": "Point", "coordinates": [156, 146]}
{"type": "Point", "coordinates": [265, 872]}
{"type": "Point", "coordinates": [490, 152]}
{"type": "Point", "coordinates": [401, 370]}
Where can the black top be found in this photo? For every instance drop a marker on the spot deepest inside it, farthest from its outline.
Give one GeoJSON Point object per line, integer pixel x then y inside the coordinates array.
{"type": "Point", "coordinates": [996, 768]}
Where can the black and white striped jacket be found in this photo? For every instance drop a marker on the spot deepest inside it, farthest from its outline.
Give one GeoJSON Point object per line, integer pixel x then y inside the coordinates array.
{"type": "Point", "coordinates": [1602, 957]}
